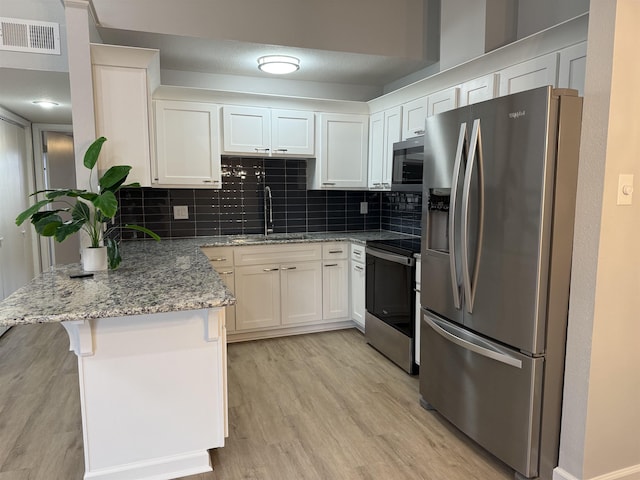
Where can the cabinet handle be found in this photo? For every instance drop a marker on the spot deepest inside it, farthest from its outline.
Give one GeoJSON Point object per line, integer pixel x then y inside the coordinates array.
{"type": "Point", "coordinates": [331, 265]}
{"type": "Point", "coordinates": [335, 251]}
{"type": "Point", "coordinates": [359, 268]}
{"type": "Point", "coordinates": [270, 269]}
{"type": "Point", "coordinates": [419, 132]}
{"type": "Point", "coordinates": [328, 183]}
{"type": "Point", "coordinates": [230, 272]}
{"type": "Point", "coordinates": [288, 268]}
{"type": "Point", "coordinates": [264, 150]}
{"type": "Point", "coordinates": [206, 181]}
{"type": "Point", "coordinates": [357, 252]}
{"type": "Point", "coordinates": [219, 259]}
{"type": "Point", "coordinates": [283, 150]}
{"type": "Point", "coordinates": [377, 184]}
{"type": "Point", "coordinates": [216, 181]}
{"type": "Point", "coordinates": [155, 179]}
{"type": "Point", "coordinates": [385, 184]}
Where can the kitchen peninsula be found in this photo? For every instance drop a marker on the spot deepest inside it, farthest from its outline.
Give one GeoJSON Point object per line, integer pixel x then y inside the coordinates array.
{"type": "Point", "coordinates": [150, 339]}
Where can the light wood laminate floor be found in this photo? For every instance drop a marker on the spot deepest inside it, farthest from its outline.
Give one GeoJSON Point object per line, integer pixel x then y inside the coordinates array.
{"type": "Point", "coordinates": [319, 406]}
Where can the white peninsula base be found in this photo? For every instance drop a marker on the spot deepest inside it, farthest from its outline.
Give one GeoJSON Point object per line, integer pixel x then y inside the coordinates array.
{"type": "Point", "coordinates": [153, 392]}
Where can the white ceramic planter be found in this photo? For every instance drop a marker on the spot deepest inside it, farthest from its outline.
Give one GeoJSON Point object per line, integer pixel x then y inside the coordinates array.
{"type": "Point", "coordinates": [94, 259]}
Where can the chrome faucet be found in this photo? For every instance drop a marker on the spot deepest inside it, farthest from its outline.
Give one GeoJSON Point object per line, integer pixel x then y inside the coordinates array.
{"type": "Point", "coordinates": [268, 209]}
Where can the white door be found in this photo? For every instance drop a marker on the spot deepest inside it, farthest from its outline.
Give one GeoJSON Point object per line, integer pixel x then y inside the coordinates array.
{"type": "Point", "coordinates": [535, 73]}
{"type": "Point", "coordinates": [188, 146]}
{"type": "Point", "coordinates": [392, 134]}
{"type": "Point", "coordinates": [293, 133]}
{"type": "Point", "coordinates": [16, 248]}
{"type": "Point", "coordinates": [442, 101]}
{"type": "Point", "coordinates": [343, 150]}
{"type": "Point", "coordinates": [414, 114]}
{"type": "Point", "coordinates": [258, 297]}
{"type": "Point", "coordinates": [478, 90]}
{"type": "Point", "coordinates": [335, 296]}
{"type": "Point", "coordinates": [301, 292]}
{"type": "Point", "coordinates": [376, 150]}
{"type": "Point", "coordinates": [246, 129]}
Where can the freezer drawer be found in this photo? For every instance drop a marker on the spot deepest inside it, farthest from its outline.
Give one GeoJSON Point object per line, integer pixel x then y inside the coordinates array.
{"type": "Point", "coordinates": [488, 391]}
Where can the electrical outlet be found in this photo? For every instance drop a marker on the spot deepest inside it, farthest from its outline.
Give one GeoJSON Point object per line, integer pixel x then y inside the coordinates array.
{"type": "Point", "coordinates": [625, 189]}
{"type": "Point", "coordinates": [364, 207]}
{"type": "Point", "coordinates": [181, 212]}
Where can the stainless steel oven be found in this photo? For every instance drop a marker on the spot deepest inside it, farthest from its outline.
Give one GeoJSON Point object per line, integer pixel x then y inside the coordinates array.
{"type": "Point", "coordinates": [390, 299]}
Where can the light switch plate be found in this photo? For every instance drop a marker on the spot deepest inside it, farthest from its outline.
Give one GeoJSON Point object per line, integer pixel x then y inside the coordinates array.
{"type": "Point", "coordinates": [625, 189]}
{"type": "Point", "coordinates": [181, 212]}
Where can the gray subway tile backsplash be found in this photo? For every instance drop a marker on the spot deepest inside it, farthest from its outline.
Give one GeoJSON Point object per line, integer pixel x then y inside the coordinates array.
{"type": "Point", "coordinates": [238, 207]}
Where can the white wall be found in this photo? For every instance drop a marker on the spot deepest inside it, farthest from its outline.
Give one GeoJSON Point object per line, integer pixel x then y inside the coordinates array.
{"type": "Point", "coordinates": [601, 414]}
{"type": "Point", "coordinates": [42, 10]}
{"type": "Point", "coordinates": [536, 15]}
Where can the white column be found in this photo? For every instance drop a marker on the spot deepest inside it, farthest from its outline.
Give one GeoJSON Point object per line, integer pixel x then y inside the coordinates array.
{"type": "Point", "coordinates": [601, 415]}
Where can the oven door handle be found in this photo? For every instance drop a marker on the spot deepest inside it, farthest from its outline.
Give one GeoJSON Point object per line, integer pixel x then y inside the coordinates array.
{"type": "Point", "coordinates": [401, 259]}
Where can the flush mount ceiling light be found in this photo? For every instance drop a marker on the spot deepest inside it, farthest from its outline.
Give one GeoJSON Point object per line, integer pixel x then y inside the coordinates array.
{"type": "Point", "coordinates": [278, 64]}
{"type": "Point", "coordinates": [45, 103]}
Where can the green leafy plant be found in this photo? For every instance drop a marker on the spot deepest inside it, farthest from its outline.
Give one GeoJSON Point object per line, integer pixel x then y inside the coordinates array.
{"type": "Point", "coordinates": [90, 211]}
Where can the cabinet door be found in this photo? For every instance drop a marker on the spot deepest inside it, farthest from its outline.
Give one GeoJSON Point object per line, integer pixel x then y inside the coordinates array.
{"type": "Point", "coordinates": [442, 101]}
{"type": "Point", "coordinates": [478, 90]}
{"type": "Point", "coordinates": [414, 114]}
{"type": "Point", "coordinates": [573, 63]}
{"type": "Point", "coordinates": [292, 133]}
{"type": "Point", "coordinates": [258, 297]}
{"type": "Point", "coordinates": [121, 105]}
{"type": "Point", "coordinates": [376, 150]}
{"type": "Point", "coordinates": [188, 148]}
{"type": "Point", "coordinates": [343, 141]}
{"type": "Point", "coordinates": [301, 292]}
{"type": "Point", "coordinates": [358, 278]}
{"type": "Point", "coordinates": [534, 73]}
{"type": "Point", "coordinates": [392, 134]}
{"type": "Point", "coordinates": [246, 130]}
{"type": "Point", "coordinates": [335, 288]}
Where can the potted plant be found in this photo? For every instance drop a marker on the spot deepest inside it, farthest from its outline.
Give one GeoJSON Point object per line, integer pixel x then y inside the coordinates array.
{"type": "Point", "coordinates": [90, 211]}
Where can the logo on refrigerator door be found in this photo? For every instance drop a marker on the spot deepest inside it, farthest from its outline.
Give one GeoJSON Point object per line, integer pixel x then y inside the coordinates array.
{"type": "Point", "coordinates": [516, 115]}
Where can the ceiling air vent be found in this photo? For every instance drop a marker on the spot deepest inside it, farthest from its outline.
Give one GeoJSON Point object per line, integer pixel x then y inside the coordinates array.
{"type": "Point", "coordinates": [29, 36]}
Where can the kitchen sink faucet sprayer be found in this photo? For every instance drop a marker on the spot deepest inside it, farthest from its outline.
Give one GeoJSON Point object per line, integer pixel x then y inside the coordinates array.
{"type": "Point", "coordinates": [268, 209]}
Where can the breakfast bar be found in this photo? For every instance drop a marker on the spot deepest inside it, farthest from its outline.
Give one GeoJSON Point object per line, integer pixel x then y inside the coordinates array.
{"type": "Point", "coordinates": [151, 345]}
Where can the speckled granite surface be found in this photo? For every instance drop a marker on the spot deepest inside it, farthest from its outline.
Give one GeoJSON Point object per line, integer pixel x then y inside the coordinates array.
{"type": "Point", "coordinates": [154, 277]}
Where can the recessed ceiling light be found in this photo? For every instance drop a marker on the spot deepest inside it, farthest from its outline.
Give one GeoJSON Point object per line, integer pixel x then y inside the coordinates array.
{"type": "Point", "coordinates": [45, 103]}
{"type": "Point", "coordinates": [278, 64]}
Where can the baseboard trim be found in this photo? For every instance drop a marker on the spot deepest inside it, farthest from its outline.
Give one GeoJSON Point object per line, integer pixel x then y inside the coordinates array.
{"type": "Point", "coordinates": [287, 331]}
{"type": "Point", "coordinates": [175, 466]}
{"type": "Point", "coordinates": [629, 473]}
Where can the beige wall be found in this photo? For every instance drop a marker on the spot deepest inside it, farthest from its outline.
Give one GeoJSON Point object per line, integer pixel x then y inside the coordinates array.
{"type": "Point", "coordinates": [601, 414]}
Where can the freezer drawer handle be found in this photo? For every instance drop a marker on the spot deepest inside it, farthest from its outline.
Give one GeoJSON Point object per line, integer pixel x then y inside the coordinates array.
{"type": "Point", "coordinates": [485, 352]}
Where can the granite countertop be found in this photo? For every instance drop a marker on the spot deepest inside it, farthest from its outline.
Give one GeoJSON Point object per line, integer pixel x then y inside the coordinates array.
{"type": "Point", "coordinates": [154, 277]}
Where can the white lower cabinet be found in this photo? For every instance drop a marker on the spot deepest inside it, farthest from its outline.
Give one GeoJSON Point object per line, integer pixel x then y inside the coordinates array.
{"type": "Point", "coordinates": [301, 292]}
{"type": "Point", "coordinates": [335, 280]}
{"type": "Point", "coordinates": [257, 297]}
{"type": "Point", "coordinates": [358, 284]}
{"type": "Point", "coordinates": [221, 259]}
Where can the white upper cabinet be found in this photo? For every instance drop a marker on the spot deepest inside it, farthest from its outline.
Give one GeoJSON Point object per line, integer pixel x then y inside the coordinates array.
{"type": "Point", "coordinates": [293, 133]}
{"type": "Point", "coordinates": [341, 160]}
{"type": "Point", "coordinates": [188, 145]}
{"type": "Point", "coordinates": [537, 72]}
{"type": "Point", "coordinates": [123, 80]}
{"type": "Point", "coordinates": [385, 129]}
{"type": "Point", "coordinates": [573, 62]}
{"type": "Point", "coordinates": [478, 90]}
{"type": "Point", "coordinates": [414, 114]}
{"type": "Point", "coordinates": [246, 129]}
{"type": "Point", "coordinates": [265, 131]}
{"type": "Point", "coordinates": [441, 101]}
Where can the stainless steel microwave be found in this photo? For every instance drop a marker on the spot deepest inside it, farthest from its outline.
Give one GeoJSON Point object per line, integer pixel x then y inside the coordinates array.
{"type": "Point", "coordinates": [408, 158]}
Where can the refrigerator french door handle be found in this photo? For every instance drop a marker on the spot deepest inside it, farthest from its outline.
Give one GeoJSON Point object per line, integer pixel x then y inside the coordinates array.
{"type": "Point", "coordinates": [467, 345]}
{"type": "Point", "coordinates": [460, 151]}
{"type": "Point", "coordinates": [475, 156]}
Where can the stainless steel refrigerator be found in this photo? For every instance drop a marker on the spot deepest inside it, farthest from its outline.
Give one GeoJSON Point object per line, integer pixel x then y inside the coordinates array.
{"type": "Point", "coordinates": [498, 212]}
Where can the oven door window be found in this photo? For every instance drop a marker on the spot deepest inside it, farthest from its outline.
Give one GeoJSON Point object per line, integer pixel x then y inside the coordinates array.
{"type": "Point", "coordinates": [389, 293]}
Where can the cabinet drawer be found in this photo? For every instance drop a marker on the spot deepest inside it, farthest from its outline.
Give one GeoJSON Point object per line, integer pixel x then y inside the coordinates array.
{"type": "Point", "coordinates": [357, 253]}
{"type": "Point", "coordinates": [219, 256]}
{"type": "Point", "coordinates": [335, 250]}
{"type": "Point", "coordinates": [292, 252]}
